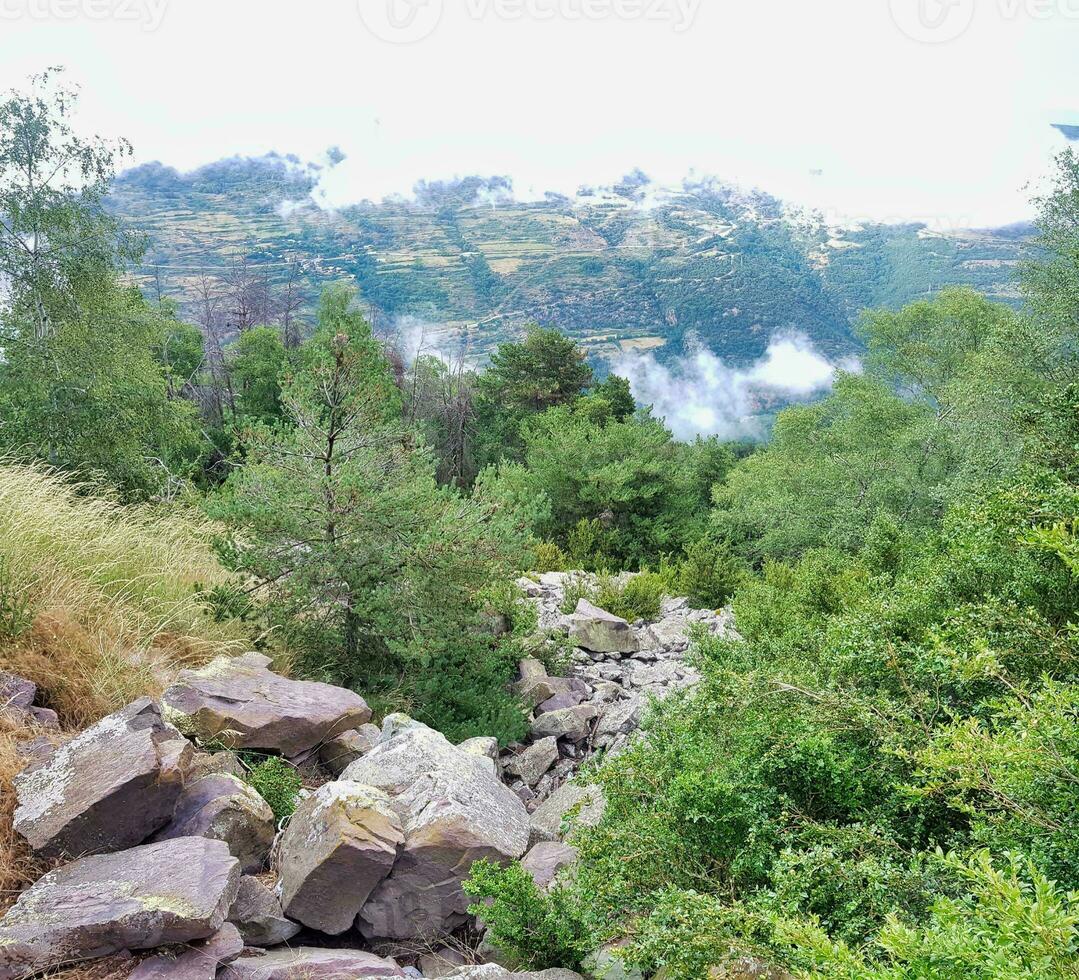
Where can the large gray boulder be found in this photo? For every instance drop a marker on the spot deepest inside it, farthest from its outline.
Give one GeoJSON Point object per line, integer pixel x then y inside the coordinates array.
{"type": "Point", "coordinates": [455, 811]}
{"type": "Point", "coordinates": [309, 963]}
{"type": "Point", "coordinates": [108, 788]}
{"type": "Point", "coordinates": [572, 724]}
{"type": "Point", "coordinates": [174, 892]}
{"type": "Point", "coordinates": [240, 701]}
{"type": "Point", "coordinates": [258, 915]}
{"type": "Point", "coordinates": [568, 807]}
{"type": "Point", "coordinates": [195, 961]}
{"type": "Point", "coordinates": [592, 628]}
{"type": "Point", "coordinates": [339, 845]}
{"type": "Point", "coordinates": [225, 808]}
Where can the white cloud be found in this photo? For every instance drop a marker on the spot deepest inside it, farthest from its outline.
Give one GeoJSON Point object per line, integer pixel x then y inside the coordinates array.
{"type": "Point", "coordinates": [699, 394]}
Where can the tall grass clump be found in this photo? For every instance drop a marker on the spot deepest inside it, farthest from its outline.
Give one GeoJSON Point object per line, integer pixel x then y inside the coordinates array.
{"type": "Point", "coordinates": [98, 602]}
{"type": "Point", "coordinates": [101, 598]}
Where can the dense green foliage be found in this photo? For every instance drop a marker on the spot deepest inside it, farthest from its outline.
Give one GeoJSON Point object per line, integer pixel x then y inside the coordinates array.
{"type": "Point", "coordinates": [878, 779]}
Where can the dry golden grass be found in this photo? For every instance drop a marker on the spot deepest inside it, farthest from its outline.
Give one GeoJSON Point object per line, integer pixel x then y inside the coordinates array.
{"type": "Point", "coordinates": [98, 605]}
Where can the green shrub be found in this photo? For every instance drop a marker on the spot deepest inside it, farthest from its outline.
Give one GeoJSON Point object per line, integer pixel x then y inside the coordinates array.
{"type": "Point", "coordinates": [463, 690]}
{"type": "Point", "coordinates": [641, 597]}
{"type": "Point", "coordinates": [576, 590]}
{"type": "Point", "coordinates": [710, 573]}
{"type": "Point", "coordinates": [548, 557]}
{"type": "Point", "coordinates": [537, 931]}
{"type": "Point", "coordinates": [278, 782]}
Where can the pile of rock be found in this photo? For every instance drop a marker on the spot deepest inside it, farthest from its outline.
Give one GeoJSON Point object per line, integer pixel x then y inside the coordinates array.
{"type": "Point", "coordinates": [17, 696]}
{"type": "Point", "coordinates": [617, 669]}
{"type": "Point", "coordinates": [169, 849]}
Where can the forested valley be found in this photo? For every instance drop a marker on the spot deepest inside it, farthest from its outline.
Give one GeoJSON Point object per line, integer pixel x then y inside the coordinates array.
{"type": "Point", "coordinates": [877, 773]}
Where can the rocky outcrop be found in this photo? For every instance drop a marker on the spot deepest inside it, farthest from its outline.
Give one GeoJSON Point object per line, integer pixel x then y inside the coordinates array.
{"type": "Point", "coordinates": [454, 811]}
{"type": "Point", "coordinates": [196, 961]}
{"type": "Point", "coordinates": [108, 788]}
{"type": "Point", "coordinates": [240, 701]}
{"type": "Point", "coordinates": [173, 892]}
{"type": "Point", "coordinates": [258, 915]}
{"type": "Point", "coordinates": [339, 845]}
{"type": "Point", "coordinates": [225, 808]}
{"type": "Point", "coordinates": [305, 963]}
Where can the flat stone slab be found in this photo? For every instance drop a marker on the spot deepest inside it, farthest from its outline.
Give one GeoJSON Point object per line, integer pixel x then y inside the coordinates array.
{"type": "Point", "coordinates": [108, 788]}
{"type": "Point", "coordinates": [241, 702]}
{"type": "Point", "coordinates": [309, 963]}
{"type": "Point", "coordinates": [196, 961]}
{"type": "Point", "coordinates": [155, 895]}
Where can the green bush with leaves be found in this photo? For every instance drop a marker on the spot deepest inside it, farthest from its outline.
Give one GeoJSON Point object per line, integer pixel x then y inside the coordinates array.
{"type": "Point", "coordinates": [536, 930]}
{"type": "Point", "coordinates": [278, 782]}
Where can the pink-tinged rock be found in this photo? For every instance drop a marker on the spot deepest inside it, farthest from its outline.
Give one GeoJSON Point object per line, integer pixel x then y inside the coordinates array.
{"type": "Point", "coordinates": [225, 808]}
{"type": "Point", "coordinates": [197, 961]}
{"type": "Point", "coordinates": [258, 915]}
{"type": "Point", "coordinates": [241, 702]}
{"type": "Point", "coordinates": [108, 788]}
{"type": "Point", "coordinates": [455, 811]}
{"type": "Point", "coordinates": [155, 895]}
{"type": "Point", "coordinates": [309, 963]}
{"type": "Point", "coordinates": [339, 845]}
{"type": "Point", "coordinates": [342, 750]}
{"type": "Point", "coordinates": [544, 861]}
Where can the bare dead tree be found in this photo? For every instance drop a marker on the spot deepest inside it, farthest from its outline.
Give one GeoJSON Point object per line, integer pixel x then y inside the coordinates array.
{"type": "Point", "coordinates": [292, 298]}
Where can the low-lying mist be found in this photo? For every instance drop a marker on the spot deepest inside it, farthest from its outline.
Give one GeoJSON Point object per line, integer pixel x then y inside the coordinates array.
{"type": "Point", "coordinates": [699, 395]}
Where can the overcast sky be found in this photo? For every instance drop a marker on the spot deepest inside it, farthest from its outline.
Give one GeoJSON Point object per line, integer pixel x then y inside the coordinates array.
{"type": "Point", "coordinates": [867, 108]}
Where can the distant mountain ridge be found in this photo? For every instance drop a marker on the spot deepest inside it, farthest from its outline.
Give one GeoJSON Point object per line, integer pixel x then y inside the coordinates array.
{"type": "Point", "coordinates": [629, 267]}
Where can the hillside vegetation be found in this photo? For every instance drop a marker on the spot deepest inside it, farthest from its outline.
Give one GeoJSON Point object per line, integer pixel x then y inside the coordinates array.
{"type": "Point", "coordinates": [876, 778]}
{"type": "Point", "coordinates": [618, 269]}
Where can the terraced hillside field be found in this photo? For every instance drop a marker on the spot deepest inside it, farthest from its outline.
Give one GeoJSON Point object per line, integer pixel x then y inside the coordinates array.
{"type": "Point", "coordinates": [609, 267]}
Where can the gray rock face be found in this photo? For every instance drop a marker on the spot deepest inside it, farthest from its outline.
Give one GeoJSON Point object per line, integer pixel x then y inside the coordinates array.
{"type": "Point", "coordinates": [573, 724]}
{"type": "Point", "coordinates": [455, 811]}
{"type": "Point", "coordinates": [595, 629]}
{"type": "Point", "coordinates": [342, 750]}
{"type": "Point", "coordinates": [622, 717]}
{"type": "Point", "coordinates": [173, 892]}
{"type": "Point", "coordinates": [544, 861]}
{"type": "Point", "coordinates": [198, 961]}
{"type": "Point", "coordinates": [225, 808]}
{"type": "Point", "coordinates": [257, 914]}
{"type": "Point", "coordinates": [534, 763]}
{"type": "Point", "coordinates": [251, 707]}
{"type": "Point", "coordinates": [339, 845]}
{"type": "Point", "coordinates": [440, 963]}
{"type": "Point", "coordinates": [309, 963]}
{"type": "Point", "coordinates": [585, 803]}
{"type": "Point", "coordinates": [108, 788]}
